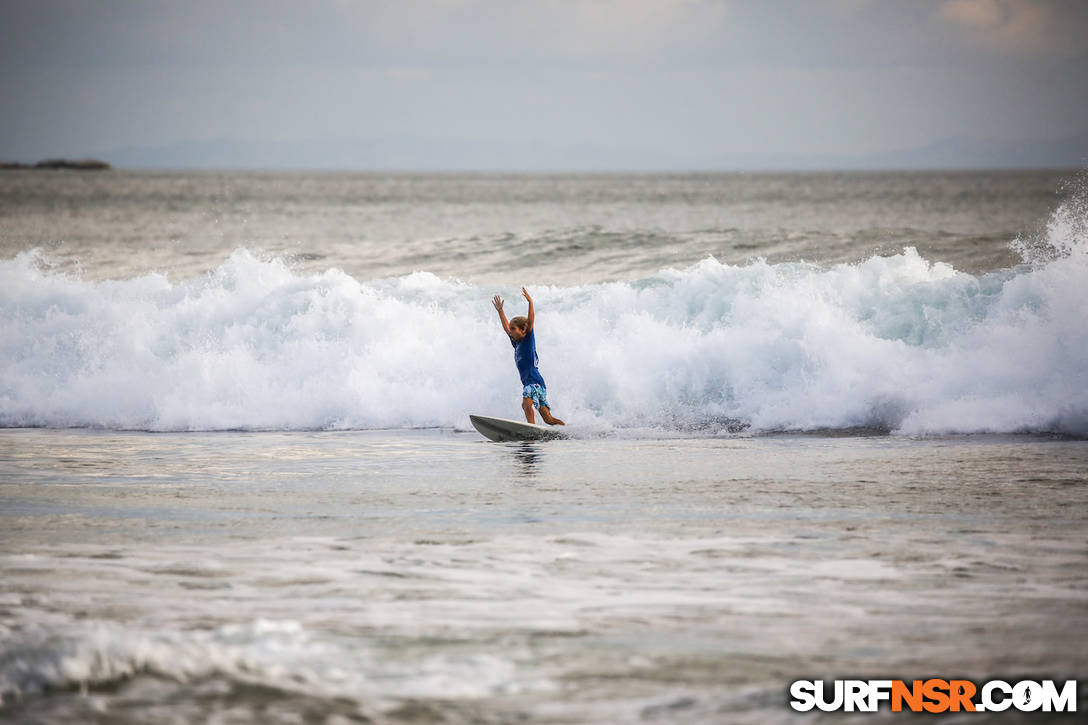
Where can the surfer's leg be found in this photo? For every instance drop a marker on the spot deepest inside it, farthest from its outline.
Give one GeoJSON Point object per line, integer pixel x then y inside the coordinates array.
{"type": "Point", "coordinates": [546, 414]}
{"type": "Point", "coordinates": [527, 406]}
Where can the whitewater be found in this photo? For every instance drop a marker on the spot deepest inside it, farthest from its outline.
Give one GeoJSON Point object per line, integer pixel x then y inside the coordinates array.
{"type": "Point", "coordinates": [896, 343]}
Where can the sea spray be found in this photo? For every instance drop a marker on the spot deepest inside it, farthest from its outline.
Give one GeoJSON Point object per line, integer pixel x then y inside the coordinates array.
{"type": "Point", "coordinates": [896, 342]}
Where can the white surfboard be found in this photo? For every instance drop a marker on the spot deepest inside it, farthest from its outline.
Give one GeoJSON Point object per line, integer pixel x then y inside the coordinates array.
{"type": "Point", "coordinates": [504, 429]}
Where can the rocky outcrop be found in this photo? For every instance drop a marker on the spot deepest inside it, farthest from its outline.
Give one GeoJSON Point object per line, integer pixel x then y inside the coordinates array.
{"type": "Point", "coordinates": [80, 165]}
{"type": "Point", "coordinates": [76, 165]}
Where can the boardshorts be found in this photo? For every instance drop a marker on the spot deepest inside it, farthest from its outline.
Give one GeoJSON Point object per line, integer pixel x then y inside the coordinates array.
{"type": "Point", "coordinates": [537, 393]}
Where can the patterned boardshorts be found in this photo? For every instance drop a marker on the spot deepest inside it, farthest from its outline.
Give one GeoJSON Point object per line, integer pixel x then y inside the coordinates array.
{"type": "Point", "coordinates": [538, 393]}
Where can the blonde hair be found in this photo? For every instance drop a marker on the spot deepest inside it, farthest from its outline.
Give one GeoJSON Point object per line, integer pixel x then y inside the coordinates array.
{"type": "Point", "coordinates": [521, 322]}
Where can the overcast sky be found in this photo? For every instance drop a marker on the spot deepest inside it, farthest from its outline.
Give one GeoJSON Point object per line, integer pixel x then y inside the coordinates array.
{"type": "Point", "coordinates": [537, 84]}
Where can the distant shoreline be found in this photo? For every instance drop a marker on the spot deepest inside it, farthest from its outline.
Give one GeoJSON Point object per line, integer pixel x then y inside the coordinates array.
{"type": "Point", "coordinates": [53, 164]}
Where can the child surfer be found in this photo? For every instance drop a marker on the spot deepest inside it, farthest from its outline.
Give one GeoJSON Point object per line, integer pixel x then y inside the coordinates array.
{"type": "Point", "coordinates": [533, 391]}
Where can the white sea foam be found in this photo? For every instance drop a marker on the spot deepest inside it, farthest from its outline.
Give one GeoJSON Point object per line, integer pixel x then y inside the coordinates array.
{"type": "Point", "coordinates": [281, 655]}
{"type": "Point", "coordinates": [896, 342]}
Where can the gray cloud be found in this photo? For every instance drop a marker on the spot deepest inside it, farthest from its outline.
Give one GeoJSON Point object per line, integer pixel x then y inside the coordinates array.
{"type": "Point", "coordinates": [633, 83]}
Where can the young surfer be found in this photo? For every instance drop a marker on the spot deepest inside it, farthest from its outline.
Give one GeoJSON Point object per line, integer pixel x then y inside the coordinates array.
{"type": "Point", "coordinates": [533, 391]}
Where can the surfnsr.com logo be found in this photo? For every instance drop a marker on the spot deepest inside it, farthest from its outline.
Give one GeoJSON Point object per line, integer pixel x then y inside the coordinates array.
{"type": "Point", "coordinates": [933, 695]}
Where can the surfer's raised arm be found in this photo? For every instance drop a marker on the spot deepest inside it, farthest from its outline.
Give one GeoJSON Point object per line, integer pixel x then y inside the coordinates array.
{"type": "Point", "coordinates": [531, 314]}
{"type": "Point", "coordinates": [497, 302]}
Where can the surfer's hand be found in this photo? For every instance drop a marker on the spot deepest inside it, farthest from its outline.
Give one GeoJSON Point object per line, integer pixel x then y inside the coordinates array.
{"type": "Point", "coordinates": [497, 301]}
{"type": "Point", "coordinates": [526, 294]}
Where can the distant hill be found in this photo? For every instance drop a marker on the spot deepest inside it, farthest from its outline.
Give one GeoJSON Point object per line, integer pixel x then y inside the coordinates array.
{"type": "Point", "coordinates": [77, 165]}
{"type": "Point", "coordinates": [975, 153]}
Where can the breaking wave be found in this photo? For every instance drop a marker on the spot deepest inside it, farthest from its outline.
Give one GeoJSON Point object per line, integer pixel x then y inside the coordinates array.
{"type": "Point", "coordinates": [898, 343]}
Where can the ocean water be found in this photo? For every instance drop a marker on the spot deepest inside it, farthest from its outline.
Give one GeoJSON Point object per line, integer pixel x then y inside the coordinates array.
{"type": "Point", "coordinates": [821, 425]}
